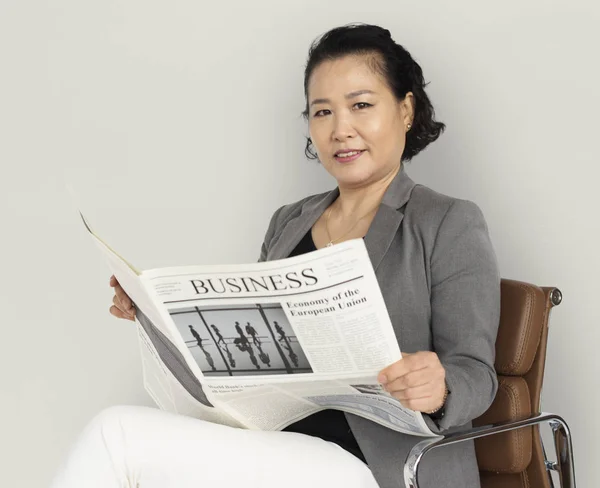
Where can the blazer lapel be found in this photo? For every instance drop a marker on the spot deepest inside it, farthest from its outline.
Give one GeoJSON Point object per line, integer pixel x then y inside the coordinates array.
{"type": "Point", "coordinates": [381, 233]}
{"type": "Point", "coordinates": [388, 218]}
{"type": "Point", "coordinates": [297, 227]}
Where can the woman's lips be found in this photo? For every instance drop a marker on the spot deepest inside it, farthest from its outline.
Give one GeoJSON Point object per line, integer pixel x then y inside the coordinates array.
{"type": "Point", "coordinates": [347, 159]}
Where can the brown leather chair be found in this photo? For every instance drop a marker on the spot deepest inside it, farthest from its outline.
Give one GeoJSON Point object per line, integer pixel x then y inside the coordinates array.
{"type": "Point", "coordinates": [510, 451]}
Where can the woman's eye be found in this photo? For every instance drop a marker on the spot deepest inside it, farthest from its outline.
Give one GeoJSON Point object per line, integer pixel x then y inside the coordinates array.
{"type": "Point", "coordinates": [359, 105]}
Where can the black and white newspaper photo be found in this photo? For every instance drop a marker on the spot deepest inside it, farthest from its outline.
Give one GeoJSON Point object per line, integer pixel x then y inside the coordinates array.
{"type": "Point", "coordinates": [237, 340]}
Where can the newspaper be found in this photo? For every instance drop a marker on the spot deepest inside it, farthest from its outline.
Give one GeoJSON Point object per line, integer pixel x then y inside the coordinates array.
{"type": "Point", "coordinates": [264, 345]}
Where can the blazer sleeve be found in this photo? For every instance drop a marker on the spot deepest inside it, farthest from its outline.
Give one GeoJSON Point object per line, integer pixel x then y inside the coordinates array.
{"type": "Point", "coordinates": [465, 304]}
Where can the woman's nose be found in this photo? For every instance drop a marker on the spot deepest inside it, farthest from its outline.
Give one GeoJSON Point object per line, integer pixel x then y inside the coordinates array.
{"type": "Point", "coordinates": [342, 129]}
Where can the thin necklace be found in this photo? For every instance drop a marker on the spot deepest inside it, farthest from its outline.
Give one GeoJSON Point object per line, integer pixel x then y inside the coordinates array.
{"type": "Point", "coordinates": [333, 241]}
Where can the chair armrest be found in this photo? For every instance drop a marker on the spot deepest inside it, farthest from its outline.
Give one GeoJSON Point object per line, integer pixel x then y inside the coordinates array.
{"type": "Point", "coordinates": [562, 438]}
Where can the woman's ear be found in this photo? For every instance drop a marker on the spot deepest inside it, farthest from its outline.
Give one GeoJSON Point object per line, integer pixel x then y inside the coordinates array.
{"type": "Point", "coordinates": [407, 106]}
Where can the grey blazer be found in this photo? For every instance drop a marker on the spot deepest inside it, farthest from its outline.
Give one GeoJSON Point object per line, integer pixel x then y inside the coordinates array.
{"type": "Point", "coordinates": [438, 274]}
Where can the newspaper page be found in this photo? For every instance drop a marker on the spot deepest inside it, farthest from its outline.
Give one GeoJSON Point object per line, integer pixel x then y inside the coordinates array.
{"type": "Point", "coordinates": [266, 344]}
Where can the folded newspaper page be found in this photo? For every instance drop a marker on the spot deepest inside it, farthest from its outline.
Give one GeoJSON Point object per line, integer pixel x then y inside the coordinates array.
{"type": "Point", "coordinates": [263, 345]}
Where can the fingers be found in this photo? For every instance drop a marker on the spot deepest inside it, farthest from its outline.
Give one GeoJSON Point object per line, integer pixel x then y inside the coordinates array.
{"type": "Point", "coordinates": [424, 398]}
{"type": "Point", "coordinates": [122, 307]}
{"type": "Point", "coordinates": [417, 398]}
{"type": "Point", "coordinates": [409, 363]}
{"type": "Point", "coordinates": [117, 312]}
{"type": "Point", "coordinates": [413, 379]}
{"type": "Point", "coordinates": [417, 380]}
{"type": "Point", "coordinates": [127, 313]}
{"type": "Point", "coordinates": [123, 299]}
{"type": "Point", "coordinates": [124, 303]}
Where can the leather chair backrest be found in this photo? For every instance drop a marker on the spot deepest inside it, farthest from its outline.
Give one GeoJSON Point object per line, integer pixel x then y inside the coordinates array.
{"type": "Point", "coordinates": [515, 458]}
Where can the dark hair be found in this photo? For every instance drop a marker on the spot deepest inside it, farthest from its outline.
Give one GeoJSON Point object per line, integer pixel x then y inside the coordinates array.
{"type": "Point", "coordinates": [394, 63]}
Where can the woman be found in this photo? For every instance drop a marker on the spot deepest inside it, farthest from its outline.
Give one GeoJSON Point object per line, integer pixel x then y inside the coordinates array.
{"type": "Point", "coordinates": [367, 114]}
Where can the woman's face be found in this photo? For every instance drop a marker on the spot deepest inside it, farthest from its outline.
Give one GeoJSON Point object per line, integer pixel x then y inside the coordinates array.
{"type": "Point", "coordinates": [352, 108]}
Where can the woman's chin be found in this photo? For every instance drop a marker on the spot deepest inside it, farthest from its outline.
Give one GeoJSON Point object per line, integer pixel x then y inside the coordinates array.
{"type": "Point", "coordinates": [352, 176]}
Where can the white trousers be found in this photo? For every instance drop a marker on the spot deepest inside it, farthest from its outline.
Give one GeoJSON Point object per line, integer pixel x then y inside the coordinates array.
{"type": "Point", "coordinates": [139, 447]}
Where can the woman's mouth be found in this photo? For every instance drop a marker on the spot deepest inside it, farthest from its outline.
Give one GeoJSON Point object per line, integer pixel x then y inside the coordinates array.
{"type": "Point", "coordinates": [347, 156]}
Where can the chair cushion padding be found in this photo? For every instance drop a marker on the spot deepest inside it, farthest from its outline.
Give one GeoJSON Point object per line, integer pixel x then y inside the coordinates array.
{"type": "Point", "coordinates": [494, 480]}
{"type": "Point", "coordinates": [508, 452]}
{"type": "Point", "coordinates": [521, 322]}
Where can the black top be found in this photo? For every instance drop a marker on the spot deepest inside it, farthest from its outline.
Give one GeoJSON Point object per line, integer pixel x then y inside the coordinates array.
{"type": "Point", "coordinates": [330, 425]}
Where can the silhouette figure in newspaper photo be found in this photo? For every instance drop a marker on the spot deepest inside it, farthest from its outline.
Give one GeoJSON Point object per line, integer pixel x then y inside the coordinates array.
{"type": "Point", "coordinates": [251, 331]}
{"type": "Point", "coordinates": [243, 344]}
{"type": "Point", "coordinates": [284, 341]}
{"type": "Point", "coordinates": [263, 356]}
{"type": "Point", "coordinates": [199, 340]}
{"type": "Point", "coordinates": [221, 344]}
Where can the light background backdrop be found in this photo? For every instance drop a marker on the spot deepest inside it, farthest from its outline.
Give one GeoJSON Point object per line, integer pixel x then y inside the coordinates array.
{"type": "Point", "coordinates": [179, 125]}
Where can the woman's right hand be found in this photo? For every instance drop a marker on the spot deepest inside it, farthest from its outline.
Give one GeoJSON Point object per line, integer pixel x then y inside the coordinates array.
{"type": "Point", "coordinates": [122, 307]}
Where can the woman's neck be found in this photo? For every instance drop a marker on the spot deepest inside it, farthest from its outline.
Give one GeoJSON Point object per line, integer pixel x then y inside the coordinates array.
{"type": "Point", "coordinates": [354, 201]}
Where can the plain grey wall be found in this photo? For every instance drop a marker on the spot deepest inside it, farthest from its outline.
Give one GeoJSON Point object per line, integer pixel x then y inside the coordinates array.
{"type": "Point", "coordinates": [179, 125]}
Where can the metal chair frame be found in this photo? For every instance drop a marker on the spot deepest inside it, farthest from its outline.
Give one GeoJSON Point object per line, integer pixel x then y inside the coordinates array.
{"type": "Point", "coordinates": [563, 446]}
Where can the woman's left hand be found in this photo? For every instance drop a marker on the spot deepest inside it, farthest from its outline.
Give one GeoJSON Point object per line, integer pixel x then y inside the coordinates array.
{"type": "Point", "coordinates": [418, 380]}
